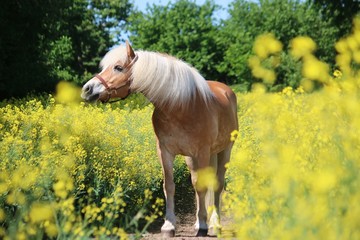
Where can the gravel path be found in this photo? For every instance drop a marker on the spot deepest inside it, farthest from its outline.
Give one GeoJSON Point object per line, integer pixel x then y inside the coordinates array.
{"type": "Point", "coordinates": [185, 229]}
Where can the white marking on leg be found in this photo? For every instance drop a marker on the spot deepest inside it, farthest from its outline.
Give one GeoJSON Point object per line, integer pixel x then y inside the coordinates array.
{"type": "Point", "coordinates": [167, 163]}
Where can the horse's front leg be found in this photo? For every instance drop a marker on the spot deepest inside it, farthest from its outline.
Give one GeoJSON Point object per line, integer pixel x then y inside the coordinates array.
{"type": "Point", "coordinates": [167, 162]}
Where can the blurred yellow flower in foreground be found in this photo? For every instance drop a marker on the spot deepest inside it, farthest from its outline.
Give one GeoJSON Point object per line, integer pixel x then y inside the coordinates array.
{"type": "Point", "coordinates": [40, 212]}
{"type": "Point", "coordinates": [67, 93]}
{"type": "Point", "coordinates": [315, 70]}
{"type": "Point", "coordinates": [267, 48]}
{"type": "Point", "coordinates": [267, 44]}
{"type": "Point", "coordinates": [302, 46]}
{"type": "Point", "coordinates": [206, 179]}
{"type": "Point", "coordinates": [2, 215]}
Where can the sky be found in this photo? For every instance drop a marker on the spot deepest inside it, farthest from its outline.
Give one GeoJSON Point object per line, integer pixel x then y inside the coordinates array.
{"type": "Point", "coordinates": [221, 14]}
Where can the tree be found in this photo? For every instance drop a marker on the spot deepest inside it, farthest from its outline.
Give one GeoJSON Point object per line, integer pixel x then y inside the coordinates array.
{"type": "Point", "coordinates": [182, 29]}
{"type": "Point", "coordinates": [47, 41]}
{"type": "Point", "coordinates": [286, 19]}
{"type": "Point", "coordinates": [89, 24]}
{"type": "Point", "coordinates": [23, 24]}
{"type": "Point", "coordinates": [341, 12]}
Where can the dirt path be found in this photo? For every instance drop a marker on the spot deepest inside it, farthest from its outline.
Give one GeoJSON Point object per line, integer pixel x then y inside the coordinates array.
{"type": "Point", "coordinates": [185, 229]}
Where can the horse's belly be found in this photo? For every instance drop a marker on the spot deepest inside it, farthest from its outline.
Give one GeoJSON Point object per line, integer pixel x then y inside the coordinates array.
{"type": "Point", "coordinates": [188, 144]}
{"type": "Point", "coordinates": [181, 144]}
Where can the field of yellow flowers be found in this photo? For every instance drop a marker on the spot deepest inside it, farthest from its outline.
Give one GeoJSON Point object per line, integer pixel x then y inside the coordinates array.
{"type": "Point", "coordinates": [294, 172]}
{"type": "Point", "coordinates": [70, 170]}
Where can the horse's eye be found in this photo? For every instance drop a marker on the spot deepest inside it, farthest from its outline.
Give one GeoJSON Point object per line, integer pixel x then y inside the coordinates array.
{"type": "Point", "coordinates": [118, 68]}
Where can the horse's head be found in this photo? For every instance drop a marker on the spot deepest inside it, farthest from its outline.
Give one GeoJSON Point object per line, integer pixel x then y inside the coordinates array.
{"type": "Point", "coordinates": [114, 81]}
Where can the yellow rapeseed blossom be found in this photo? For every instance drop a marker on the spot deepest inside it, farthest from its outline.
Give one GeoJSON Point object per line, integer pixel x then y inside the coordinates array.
{"type": "Point", "coordinates": [337, 74]}
{"type": "Point", "coordinates": [40, 212]}
{"type": "Point", "coordinates": [3, 188]}
{"type": "Point", "coordinates": [60, 189]}
{"type": "Point", "coordinates": [341, 46]}
{"type": "Point", "coordinates": [314, 69]}
{"type": "Point", "coordinates": [234, 135]}
{"type": "Point", "coordinates": [265, 45]}
{"type": "Point", "coordinates": [356, 23]}
{"type": "Point", "coordinates": [67, 93]}
{"type": "Point", "coordinates": [51, 230]}
{"type": "Point", "coordinates": [2, 215]}
{"type": "Point", "coordinates": [302, 46]}
{"type": "Point", "coordinates": [296, 165]}
{"type": "Point", "coordinates": [206, 179]}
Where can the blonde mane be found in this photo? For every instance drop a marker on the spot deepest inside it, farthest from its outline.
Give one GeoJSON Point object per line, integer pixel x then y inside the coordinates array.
{"type": "Point", "coordinates": [164, 80]}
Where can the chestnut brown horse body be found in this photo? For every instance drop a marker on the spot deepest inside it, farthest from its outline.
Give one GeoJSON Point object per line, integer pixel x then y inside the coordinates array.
{"type": "Point", "coordinates": [192, 117]}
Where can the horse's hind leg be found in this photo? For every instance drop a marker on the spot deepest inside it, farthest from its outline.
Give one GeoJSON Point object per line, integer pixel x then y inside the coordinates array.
{"type": "Point", "coordinates": [210, 202]}
{"type": "Point", "coordinates": [167, 162]}
{"type": "Point", "coordinates": [222, 158]}
{"type": "Point", "coordinates": [201, 212]}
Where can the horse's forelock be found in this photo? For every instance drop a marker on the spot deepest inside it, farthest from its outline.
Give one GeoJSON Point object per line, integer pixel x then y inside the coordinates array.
{"type": "Point", "coordinates": [114, 55]}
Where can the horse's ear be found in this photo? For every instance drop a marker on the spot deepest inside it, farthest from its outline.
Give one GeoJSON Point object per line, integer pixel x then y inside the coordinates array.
{"type": "Point", "coordinates": [129, 50]}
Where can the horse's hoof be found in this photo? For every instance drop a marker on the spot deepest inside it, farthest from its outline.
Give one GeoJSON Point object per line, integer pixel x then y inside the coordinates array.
{"type": "Point", "coordinates": [202, 233]}
{"type": "Point", "coordinates": [168, 233]}
{"type": "Point", "coordinates": [214, 231]}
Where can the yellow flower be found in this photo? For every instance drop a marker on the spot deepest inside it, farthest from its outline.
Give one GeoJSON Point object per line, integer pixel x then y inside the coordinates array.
{"type": "Point", "coordinates": [2, 215]}
{"type": "Point", "coordinates": [51, 230]}
{"type": "Point", "coordinates": [3, 188]}
{"type": "Point", "coordinates": [40, 212]}
{"type": "Point", "coordinates": [234, 135]}
{"type": "Point", "coordinates": [16, 197]}
{"type": "Point", "coordinates": [302, 46]}
{"type": "Point", "coordinates": [352, 43]}
{"type": "Point", "coordinates": [307, 84]}
{"type": "Point", "coordinates": [266, 45]}
{"type": "Point", "coordinates": [324, 181]}
{"type": "Point", "coordinates": [2, 232]}
{"type": "Point", "coordinates": [62, 188]}
{"type": "Point", "coordinates": [341, 46]}
{"type": "Point", "coordinates": [254, 62]}
{"type": "Point", "coordinates": [315, 70]}
{"type": "Point", "coordinates": [356, 23]}
{"type": "Point", "coordinates": [356, 56]}
{"type": "Point", "coordinates": [337, 74]}
{"type": "Point", "coordinates": [206, 179]}
{"type": "Point", "coordinates": [67, 93]}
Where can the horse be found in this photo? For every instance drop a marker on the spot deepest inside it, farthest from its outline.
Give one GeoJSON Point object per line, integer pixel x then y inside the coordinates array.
{"type": "Point", "coordinates": [192, 117]}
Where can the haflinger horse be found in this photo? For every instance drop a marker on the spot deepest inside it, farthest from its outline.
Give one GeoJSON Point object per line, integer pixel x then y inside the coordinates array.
{"type": "Point", "coordinates": [192, 117]}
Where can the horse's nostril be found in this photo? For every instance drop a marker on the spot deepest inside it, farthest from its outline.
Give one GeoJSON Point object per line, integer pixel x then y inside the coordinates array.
{"type": "Point", "coordinates": [88, 89]}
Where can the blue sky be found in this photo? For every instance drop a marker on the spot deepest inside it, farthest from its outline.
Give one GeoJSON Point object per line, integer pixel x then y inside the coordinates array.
{"type": "Point", "coordinates": [221, 14]}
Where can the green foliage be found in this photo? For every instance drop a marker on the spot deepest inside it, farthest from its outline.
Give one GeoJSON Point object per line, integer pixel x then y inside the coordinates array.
{"type": "Point", "coordinates": [284, 18]}
{"type": "Point", "coordinates": [182, 29]}
{"type": "Point", "coordinates": [24, 25]}
{"type": "Point", "coordinates": [48, 41]}
{"type": "Point", "coordinates": [341, 12]}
